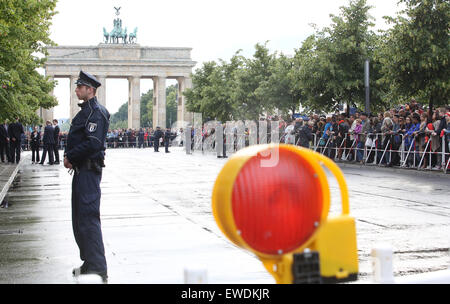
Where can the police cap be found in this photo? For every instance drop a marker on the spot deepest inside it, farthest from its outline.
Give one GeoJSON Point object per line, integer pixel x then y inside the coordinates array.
{"type": "Point", "coordinates": [87, 79]}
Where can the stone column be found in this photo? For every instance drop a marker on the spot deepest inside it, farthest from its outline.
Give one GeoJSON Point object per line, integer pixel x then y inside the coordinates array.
{"type": "Point", "coordinates": [186, 116]}
{"type": "Point", "coordinates": [74, 108]}
{"type": "Point", "coordinates": [101, 91]}
{"type": "Point", "coordinates": [180, 104]}
{"type": "Point", "coordinates": [47, 114]}
{"type": "Point", "coordinates": [134, 102]}
{"type": "Point", "coordinates": [159, 102]}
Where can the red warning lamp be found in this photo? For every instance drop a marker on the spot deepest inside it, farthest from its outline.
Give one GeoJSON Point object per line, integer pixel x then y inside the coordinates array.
{"type": "Point", "coordinates": [277, 208]}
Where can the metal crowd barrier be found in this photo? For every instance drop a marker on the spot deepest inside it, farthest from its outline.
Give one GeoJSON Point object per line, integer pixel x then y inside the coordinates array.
{"type": "Point", "coordinates": [381, 152]}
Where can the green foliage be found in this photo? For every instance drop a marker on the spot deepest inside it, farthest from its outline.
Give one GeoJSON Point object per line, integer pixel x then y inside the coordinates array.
{"type": "Point", "coordinates": [330, 64]}
{"type": "Point", "coordinates": [415, 52]}
{"type": "Point", "coordinates": [171, 105]}
{"type": "Point", "coordinates": [146, 109]}
{"type": "Point", "coordinates": [119, 120]}
{"type": "Point", "coordinates": [212, 91]}
{"type": "Point", "coordinates": [250, 97]}
{"type": "Point", "coordinates": [24, 35]}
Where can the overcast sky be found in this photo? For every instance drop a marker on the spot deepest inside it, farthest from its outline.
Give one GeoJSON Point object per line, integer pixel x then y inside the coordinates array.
{"type": "Point", "coordinates": [213, 29]}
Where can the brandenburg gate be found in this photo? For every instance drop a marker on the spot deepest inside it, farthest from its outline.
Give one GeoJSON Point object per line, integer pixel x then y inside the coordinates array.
{"type": "Point", "coordinates": [124, 59]}
{"type": "Point", "coordinates": [129, 61]}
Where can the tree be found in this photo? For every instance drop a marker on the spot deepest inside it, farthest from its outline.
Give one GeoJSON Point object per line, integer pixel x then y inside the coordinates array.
{"type": "Point", "coordinates": [119, 120]}
{"type": "Point", "coordinates": [213, 88]}
{"type": "Point", "coordinates": [281, 87]}
{"type": "Point", "coordinates": [330, 64]}
{"type": "Point", "coordinates": [415, 52]}
{"type": "Point", "coordinates": [171, 105]}
{"type": "Point", "coordinates": [147, 109]}
{"type": "Point", "coordinates": [249, 96]}
{"type": "Point", "coordinates": [24, 35]}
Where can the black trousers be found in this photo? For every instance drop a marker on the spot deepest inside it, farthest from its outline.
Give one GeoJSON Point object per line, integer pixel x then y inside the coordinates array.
{"type": "Point", "coordinates": [4, 151]}
{"type": "Point", "coordinates": [48, 148]}
{"type": "Point", "coordinates": [14, 148]}
{"type": "Point", "coordinates": [86, 224]}
{"type": "Point", "coordinates": [166, 145]}
{"type": "Point", "coordinates": [156, 145]}
{"type": "Point", "coordinates": [35, 154]}
{"type": "Point", "coordinates": [56, 151]}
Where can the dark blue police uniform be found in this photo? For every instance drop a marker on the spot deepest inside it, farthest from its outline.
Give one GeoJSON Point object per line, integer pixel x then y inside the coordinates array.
{"type": "Point", "coordinates": [86, 152]}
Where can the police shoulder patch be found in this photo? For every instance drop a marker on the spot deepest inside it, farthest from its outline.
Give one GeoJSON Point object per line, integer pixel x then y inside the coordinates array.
{"type": "Point", "coordinates": [92, 127]}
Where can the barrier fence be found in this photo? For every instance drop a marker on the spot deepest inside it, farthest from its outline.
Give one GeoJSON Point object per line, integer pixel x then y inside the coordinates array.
{"type": "Point", "coordinates": [371, 149]}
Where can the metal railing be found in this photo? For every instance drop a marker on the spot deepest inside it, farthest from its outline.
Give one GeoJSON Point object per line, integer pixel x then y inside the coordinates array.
{"type": "Point", "coordinates": [387, 149]}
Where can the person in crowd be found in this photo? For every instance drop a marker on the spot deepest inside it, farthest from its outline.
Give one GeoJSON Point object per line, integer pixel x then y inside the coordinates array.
{"type": "Point", "coordinates": [410, 142]}
{"type": "Point", "coordinates": [156, 138]}
{"type": "Point", "coordinates": [305, 134]}
{"type": "Point", "coordinates": [341, 137]}
{"type": "Point", "coordinates": [365, 129]}
{"type": "Point", "coordinates": [15, 131]}
{"type": "Point", "coordinates": [396, 141]}
{"type": "Point", "coordinates": [49, 144]}
{"type": "Point", "coordinates": [297, 126]}
{"type": "Point", "coordinates": [146, 137]}
{"type": "Point", "coordinates": [420, 138]}
{"type": "Point", "coordinates": [377, 138]}
{"type": "Point", "coordinates": [357, 134]}
{"type": "Point", "coordinates": [141, 138]}
{"type": "Point", "coordinates": [167, 138]}
{"type": "Point", "coordinates": [180, 135]}
{"type": "Point", "coordinates": [325, 136]}
{"type": "Point", "coordinates": [289, 134]}
{"type": "Point", "coordinates": [4, 143]}
{"type": "Point", "coordinates": [386, 130]}
{"type": "Point", "coordinates": [433, 134]}
{"type": "Point", "coordinates": [351, 143]}
{"type": "Point", "coordinates": [35, 139]}
{"type": "Point", "coordinates": [446, 133]}
{"type": "Point", "coordinates": [57, 134]}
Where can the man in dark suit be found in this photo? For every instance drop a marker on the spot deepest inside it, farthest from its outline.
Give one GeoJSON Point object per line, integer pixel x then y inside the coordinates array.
{"type": "Point", "coordinates": [49, 143]}
{"type": "Point", "coordinates": [15, 132]}
{"type": "Point", "coordinates": [4, 142]}
{"type": "Point", "coordinates": [56, 146]}
{"type": "Point", "coordinates": [157, 136]}
{"type": "Point", "coordinates": [167, 138]}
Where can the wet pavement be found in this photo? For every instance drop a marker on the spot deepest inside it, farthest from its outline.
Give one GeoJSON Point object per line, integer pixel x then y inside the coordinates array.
{"type": "Point", "coordinates": [156, 220]}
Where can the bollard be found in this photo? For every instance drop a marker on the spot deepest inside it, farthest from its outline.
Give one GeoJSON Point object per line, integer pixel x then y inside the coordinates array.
{"type": "Point", "coordinates": [382, 264]}
{"type": "Point", "coordinates": [195, 275]}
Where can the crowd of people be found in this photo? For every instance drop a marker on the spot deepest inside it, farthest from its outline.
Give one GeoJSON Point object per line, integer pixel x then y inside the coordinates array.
{"type": "Point", "coordinates": [403, 136]}
{"type": "Point", "coordinates": [48, 140]}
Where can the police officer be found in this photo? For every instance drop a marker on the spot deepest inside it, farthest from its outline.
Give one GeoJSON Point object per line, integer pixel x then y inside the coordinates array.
{"type": "Point", "coordinates": [156, 137]}
{"type": "Point", "coordinates": [167, 138]}
{"type": "Point", "coordinates": [85, 154]}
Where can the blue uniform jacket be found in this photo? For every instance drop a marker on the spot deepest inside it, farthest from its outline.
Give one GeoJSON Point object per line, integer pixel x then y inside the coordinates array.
{"type": "Point", "coordinates": [87, 134]}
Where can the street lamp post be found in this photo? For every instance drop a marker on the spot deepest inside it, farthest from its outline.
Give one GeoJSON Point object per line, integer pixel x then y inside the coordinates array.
{"type": "Point", "coordinates": [367, 85]}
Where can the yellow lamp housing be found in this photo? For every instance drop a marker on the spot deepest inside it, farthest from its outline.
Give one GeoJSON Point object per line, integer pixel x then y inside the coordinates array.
{"type": "Point", "coordinates": [333, 240]}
